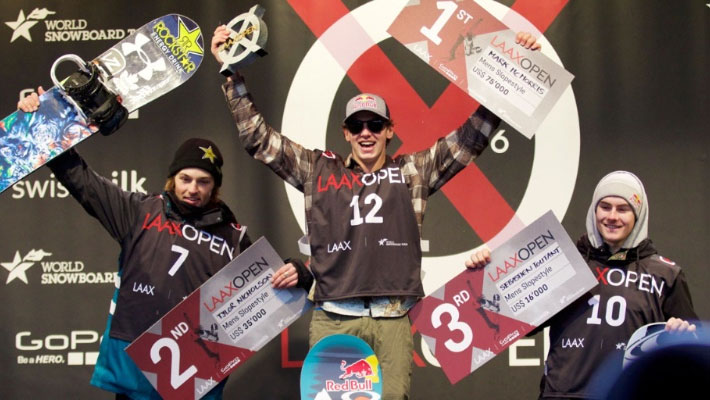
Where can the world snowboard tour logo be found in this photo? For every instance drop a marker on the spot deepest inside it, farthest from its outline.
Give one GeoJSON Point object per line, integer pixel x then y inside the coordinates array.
{"type": "Point", "coordinates": [21, 27]}
{"type": "Point", "coordinates": [60, 30]}
{"type": "Point", "coordinates": [55, 272]}
{"type": "Point", "coordinates": [19, 265]}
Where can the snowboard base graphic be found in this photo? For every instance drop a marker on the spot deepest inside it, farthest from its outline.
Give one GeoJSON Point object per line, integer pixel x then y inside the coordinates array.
{"type": "Point", "coordinates": [341, 367]}
{"type": "Point", "coordinates": [153, 60]}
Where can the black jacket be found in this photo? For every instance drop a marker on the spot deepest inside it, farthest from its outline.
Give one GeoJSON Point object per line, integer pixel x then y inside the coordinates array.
{"type": "Point", "coordinates": [636, 287]}
{"type": "Point", "coordinates": [166, 253]}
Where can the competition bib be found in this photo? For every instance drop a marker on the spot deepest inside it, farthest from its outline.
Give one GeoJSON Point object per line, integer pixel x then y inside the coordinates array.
{"type": "Point", "coordinates": [363, 232]}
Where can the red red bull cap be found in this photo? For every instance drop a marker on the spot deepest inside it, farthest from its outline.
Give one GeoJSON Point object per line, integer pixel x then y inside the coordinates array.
{"type": "Point", "coordinates": [367, 102]}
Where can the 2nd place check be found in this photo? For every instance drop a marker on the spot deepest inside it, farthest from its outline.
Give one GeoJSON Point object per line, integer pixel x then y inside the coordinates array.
{"type": "Point", "coordinates": [218, 326]}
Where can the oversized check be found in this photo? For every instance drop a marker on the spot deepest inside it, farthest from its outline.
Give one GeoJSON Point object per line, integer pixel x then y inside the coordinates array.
{"type": "Point", "coordinates": [477, 52]}
{"type": "Point", "coordinates": [480, 313]}
{"type": "Point", "coordinates": [218, 326]}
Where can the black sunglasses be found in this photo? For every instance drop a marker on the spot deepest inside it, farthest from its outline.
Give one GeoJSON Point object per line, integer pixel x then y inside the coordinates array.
{"type": "Point", "coordinates": [355, 126]}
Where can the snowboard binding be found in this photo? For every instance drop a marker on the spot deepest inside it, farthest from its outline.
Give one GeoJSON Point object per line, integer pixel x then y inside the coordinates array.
{"type": "Point", "coordinates": [87, 91]}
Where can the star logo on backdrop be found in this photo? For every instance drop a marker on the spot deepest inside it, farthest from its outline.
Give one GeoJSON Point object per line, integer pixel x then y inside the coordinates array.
{"type": "Point", "coordinates": [19, 265]}
{"type": "Point", "coordinates": [209, 154]}
{"type": "Point", "coordinates": [621, 346]}
{"type": "Point", "coordinates": [189, 39]}
{"type": "Point", "coordinates": [21, 26]}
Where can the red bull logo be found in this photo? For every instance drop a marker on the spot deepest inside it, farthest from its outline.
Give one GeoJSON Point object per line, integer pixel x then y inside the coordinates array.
{"type": "Point", "coordinates": [360, 368]}
{"type": "Point", "coordinates": [365, 97]}
{"type": "Point", "coordinates": [350, 385]}
{"type": "Point", "coordinates": [365, 101]}
{"type": "Point", "coordinates": [635, 199]}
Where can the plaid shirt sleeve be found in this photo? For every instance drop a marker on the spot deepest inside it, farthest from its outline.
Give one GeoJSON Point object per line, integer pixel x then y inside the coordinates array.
{"type": "Point", "coordinates": [452, 153]}
{"type": "Point", "coordinates": [289, 160]}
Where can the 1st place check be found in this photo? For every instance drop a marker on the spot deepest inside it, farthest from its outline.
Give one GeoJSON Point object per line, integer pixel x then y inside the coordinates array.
{"type": "Point", "coordinates": [218, 326]}
{"type": "Point", "coordinates": [478, 53]}
{"type": "Point", "coordinates": [480, 313]}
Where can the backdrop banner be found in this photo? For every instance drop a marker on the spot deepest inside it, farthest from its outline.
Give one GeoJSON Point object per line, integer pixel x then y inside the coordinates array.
{"type": "Point", "coordinates": [638, 102]}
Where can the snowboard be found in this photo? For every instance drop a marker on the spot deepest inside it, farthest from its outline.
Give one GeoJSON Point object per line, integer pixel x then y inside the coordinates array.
{"type": "Point", "coordinates": [153, 60]}
{"type": "Point", "coordinates": [652, 337]}
{"type": "Point", "coordinates": [341, 367]}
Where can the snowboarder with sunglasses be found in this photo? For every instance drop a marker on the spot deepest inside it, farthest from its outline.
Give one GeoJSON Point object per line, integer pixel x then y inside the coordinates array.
{"type": "Point", "coordinates": [364, 214]}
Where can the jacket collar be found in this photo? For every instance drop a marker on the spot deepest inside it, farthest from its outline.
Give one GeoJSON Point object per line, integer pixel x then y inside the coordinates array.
{"type": "Point", "coordinates": [198, 217]}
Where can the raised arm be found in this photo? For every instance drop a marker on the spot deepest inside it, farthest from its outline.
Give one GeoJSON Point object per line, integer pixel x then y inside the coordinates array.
{"type": "Point", "coordinates": [114, 208]}
{"type": "Point", "coordinates": [288, 159]}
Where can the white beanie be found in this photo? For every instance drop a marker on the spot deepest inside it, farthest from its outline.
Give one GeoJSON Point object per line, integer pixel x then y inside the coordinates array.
{"type": "Point", "coordinates": [627, 186]}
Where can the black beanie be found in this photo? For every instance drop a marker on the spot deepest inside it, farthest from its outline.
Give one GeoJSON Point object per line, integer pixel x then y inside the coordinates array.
{"type": "Point", "coordinates": [198, 153]}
